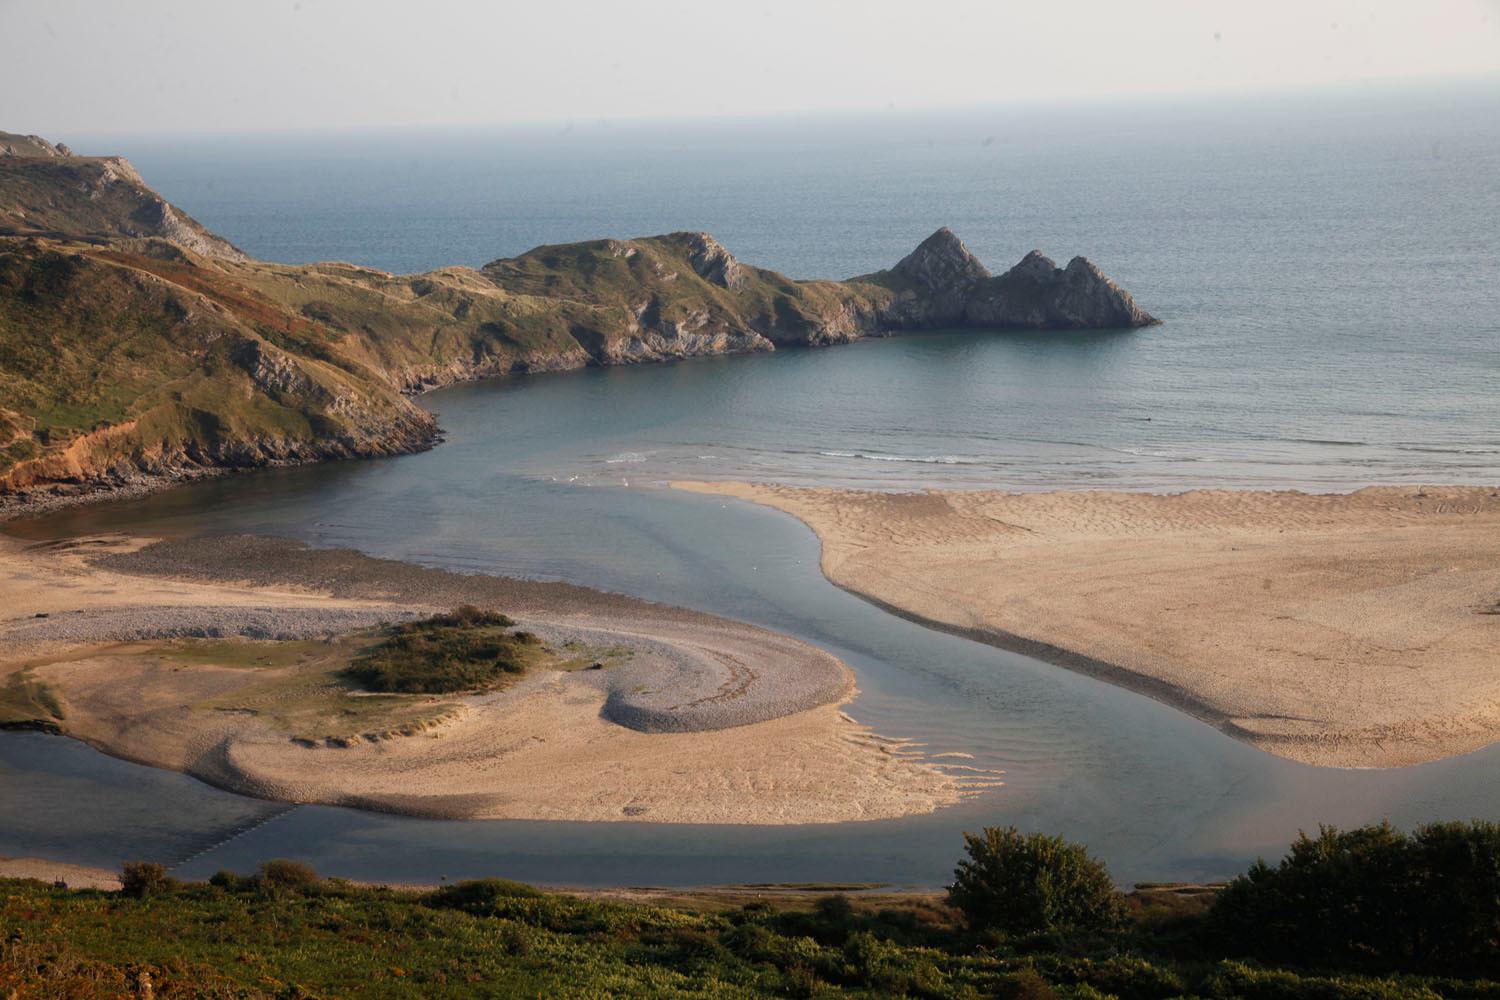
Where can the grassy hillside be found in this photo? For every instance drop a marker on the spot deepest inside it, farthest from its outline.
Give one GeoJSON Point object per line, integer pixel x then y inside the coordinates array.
{"type": "Point", "coordinates": [116, 364]}
{"type": "Point", "coordinates": [686, 283]}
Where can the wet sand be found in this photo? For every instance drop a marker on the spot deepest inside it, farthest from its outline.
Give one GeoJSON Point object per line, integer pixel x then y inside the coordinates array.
{"type": "Point", "coordinates": [74, 876]}
{"type": "Point", "coordinates": [706, 720]}
{"type": "Point", "coordinates": [1357, 630]}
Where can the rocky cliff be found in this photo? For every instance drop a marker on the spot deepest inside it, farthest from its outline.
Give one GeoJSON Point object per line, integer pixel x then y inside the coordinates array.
{"type": "Point", "coordinates": [136, 347]}
{"type": "Point", "coordinates": [942, 284]}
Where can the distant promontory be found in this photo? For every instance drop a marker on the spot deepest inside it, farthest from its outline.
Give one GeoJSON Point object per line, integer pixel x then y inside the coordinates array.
{"type": "Point", "coordinates": [137, 348]}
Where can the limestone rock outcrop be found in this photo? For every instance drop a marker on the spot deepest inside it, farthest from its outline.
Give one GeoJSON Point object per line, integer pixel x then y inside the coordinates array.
{"type": "Point", "coordinates": [1036, 294]}
{"type": "Point", "coordinates": [942, 284]}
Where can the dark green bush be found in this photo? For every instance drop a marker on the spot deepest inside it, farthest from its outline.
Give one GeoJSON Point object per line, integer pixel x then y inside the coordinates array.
{"type": "Point", "coordinates": [144, 878]}
{"type": "Point", "coordinates": [1373, 897]}
{"type": "Point", "coordinates": [467, 615]}
{"type": "Point", "coordinates": [230, 881]}
{"type": "Point", "coordinates": [291, 876]}
{"type": "Point", "coordinates": [835, 909]}
{"type": "Point", "coordinates": [483, 897]}
{"type": "Point", "coordinates": [1022, 884]}
{"type": "Point", "coordinates": [466, 649]}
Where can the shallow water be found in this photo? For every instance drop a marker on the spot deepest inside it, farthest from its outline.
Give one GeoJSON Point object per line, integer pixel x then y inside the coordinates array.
{"type": "Point", "coordinates": [1159, 794]}
{"type": "Point", "coordinates": [1329, 277]}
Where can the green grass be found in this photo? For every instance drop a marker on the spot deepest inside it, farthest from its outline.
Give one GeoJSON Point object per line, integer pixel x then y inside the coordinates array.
{"type": "Point", "coordinates": [305, 691]}
{"type": "Point", "coordinates": [249, 937]}
{"type": "Point", "coordinates": [163, 352]}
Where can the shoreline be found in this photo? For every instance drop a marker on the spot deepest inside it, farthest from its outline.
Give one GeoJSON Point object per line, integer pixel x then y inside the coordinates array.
{"type": "Point", "coordinates": [924, 566]}
{"type": "Point", "coordinates": [701, 720]}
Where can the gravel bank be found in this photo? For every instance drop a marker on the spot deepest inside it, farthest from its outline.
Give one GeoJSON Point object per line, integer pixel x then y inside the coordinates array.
{"type": "Point", "coordinates": [688, 671]}
{"type": "Point", "coordinates": [132, 624]}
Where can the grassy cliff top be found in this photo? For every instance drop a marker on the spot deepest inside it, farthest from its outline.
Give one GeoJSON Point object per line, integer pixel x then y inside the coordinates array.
{"type": "Point", "coordinates": [99, 197]}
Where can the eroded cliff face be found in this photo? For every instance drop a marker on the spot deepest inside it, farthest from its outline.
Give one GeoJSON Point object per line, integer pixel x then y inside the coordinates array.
{"type": "Point", "coordinates": [136, 347]}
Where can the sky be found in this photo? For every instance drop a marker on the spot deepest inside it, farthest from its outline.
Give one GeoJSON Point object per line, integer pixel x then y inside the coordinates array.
{"type": "Point", "coordinates": [100, 67]}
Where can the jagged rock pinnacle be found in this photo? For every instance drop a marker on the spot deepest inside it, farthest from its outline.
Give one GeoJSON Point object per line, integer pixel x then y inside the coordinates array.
{"type": "Point", "coordinates": [941, 262]}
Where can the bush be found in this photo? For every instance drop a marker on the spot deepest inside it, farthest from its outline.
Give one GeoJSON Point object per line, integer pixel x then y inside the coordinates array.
{"type": "Point", "coordinates": [292, 876]}
{"type": "Point", "coordinates": [482, 897]}
{"type": "Point", "coordinates": [464, 650]}
{"type": "Point", "coordinates": [230, 881]}
{"type": "Point", "coordinates": [1373, 897]}
{"type": "Point", "coordinates": [467, 615]}
{"type": "Point", "coordinates": [1032, 884]}
{"type": "Point", "coordinates": [140, 879]}
{"type": "Point", "coordinates": [837, 909]}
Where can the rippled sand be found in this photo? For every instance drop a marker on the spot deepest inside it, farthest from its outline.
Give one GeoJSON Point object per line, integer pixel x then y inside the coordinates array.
{"type": "Point", "coordinates": [1357, 629]}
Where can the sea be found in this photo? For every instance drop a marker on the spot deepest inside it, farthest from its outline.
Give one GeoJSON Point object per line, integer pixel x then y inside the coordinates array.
{"type": "Point", "coordinates": [1326, 267]}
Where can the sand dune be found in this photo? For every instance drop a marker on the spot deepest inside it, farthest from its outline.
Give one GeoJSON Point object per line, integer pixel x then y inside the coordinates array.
{"type": "Point", "coordinates": [1359, 629]}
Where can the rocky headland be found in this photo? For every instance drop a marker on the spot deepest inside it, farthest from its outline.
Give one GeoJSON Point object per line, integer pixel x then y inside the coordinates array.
{"type": "Point", "coordinates": [138, 349]}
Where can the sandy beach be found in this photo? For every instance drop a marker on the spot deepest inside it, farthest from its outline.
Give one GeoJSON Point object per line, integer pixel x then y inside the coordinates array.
{"type": "Point", "coordinates": [1357, 629]}
{"type": "Point", "coordinates": [153, 652]}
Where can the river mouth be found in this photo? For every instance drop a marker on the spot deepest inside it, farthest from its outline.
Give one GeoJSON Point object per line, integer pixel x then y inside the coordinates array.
{"type": "Point", "coordinates": [1159, 795]}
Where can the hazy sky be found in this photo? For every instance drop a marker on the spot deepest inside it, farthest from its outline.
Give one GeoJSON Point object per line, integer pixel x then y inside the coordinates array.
{"type": "Point", "coordinates": [73, 66]}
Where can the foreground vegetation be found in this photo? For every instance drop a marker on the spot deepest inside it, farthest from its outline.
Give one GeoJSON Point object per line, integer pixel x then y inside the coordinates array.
{"type": "Point", "coordinates": [287, 933]}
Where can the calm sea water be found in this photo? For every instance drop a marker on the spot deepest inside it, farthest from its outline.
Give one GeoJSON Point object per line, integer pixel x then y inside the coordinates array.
{"type": "Point", "coordinates": [1329, 276]}
{"type": "Point", "coordinates": [1328, 270]}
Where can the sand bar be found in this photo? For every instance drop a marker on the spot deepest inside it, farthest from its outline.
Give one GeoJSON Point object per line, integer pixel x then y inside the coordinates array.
{"type": "Point", "coordinates": [698, 719]}
{"type": "Point", "coordinates": [1357, 629]}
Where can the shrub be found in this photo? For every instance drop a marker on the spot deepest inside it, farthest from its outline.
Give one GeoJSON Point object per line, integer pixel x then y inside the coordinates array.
{"type": "Point", "coordinates": [482, 897]}
{"type": "Point", "coordinates": [1021, 884]}
{"type": "Point", "coordinates": [293, 876]}
{"type": "Point", "coordinates": [230, 881]}
{"type": "Point", "coordinates": [144, 878]}
{"type": "Point", "coordinates": [1373, 897]}
{"type": "Point", "coordinates": [1455, 905]}
{"type": "Point", "coordinates": [463, 650]}
{"type": "Point", "coordinates": [835, 909]}
{"type": "Point", "coordinates": [470, 616]}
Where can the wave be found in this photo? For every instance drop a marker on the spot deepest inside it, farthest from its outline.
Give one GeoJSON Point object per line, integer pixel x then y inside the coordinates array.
{"type": "Point", "coordinates": [1436, 450]}
{"type": "Point", "coordinates": [874, 456]}
{"type": "Point", "coordinates": [1327, 441]}
{"type": "Point", "coordinates": [627, 457]}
